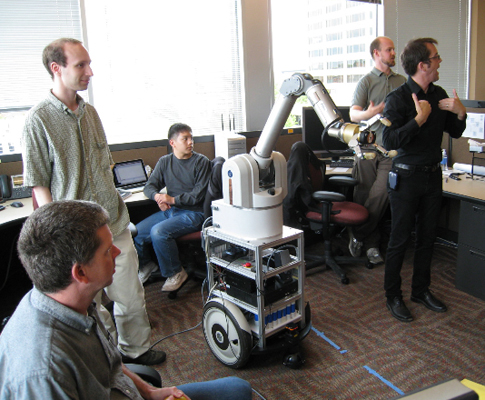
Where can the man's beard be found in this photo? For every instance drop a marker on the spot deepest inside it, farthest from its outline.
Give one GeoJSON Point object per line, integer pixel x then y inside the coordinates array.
{"type": "Point", "coordinates": [390, 63]}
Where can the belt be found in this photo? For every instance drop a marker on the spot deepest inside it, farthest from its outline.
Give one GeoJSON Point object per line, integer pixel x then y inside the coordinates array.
{"type": "Point", "coordinates": [419, 168]}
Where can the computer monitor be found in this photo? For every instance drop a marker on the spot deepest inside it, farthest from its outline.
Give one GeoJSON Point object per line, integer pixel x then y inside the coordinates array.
{"type": "Point", "coordinates": [312, 129]}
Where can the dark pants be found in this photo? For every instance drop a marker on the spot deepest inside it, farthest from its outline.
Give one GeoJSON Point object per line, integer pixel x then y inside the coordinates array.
{"type": "Point", "coordinates": [415, 204]}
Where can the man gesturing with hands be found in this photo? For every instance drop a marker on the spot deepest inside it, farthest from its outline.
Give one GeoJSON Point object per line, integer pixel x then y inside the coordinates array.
{"type": "Point", "coordinates": [419, 112]}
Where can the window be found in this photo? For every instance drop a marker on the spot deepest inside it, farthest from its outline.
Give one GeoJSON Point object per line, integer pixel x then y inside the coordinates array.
{"type": "Point", "coordinates": [339, 39]}
{"type": "Point", "coordinates": [316, 53]}
{"type": "Point", "coordinates": [334, 22]}
{"type": "Point", "coordinates": [407, 19]}
{"type": "Point", "coordinates": [355, 63]}
{"type": "Point", "coordinates": [355, 18]}
{"type": "Point", "coordinates": [168, 65]}
{"type": "Point", "coordinates": [334, 50]}
{"type": "Point", "coordinates": [335, 79]}
{"type": "Point", "coordinates": [356, 33]}
{"type": "Point", "coordinates": [334, 36]}
{"type": "Point", "coordinates": [333, 8]}
{"type": "Point", "coordinates": [23, 78]}
{"type": "Point", "coordinates": [316, 39]}
{"type": "Point", "coordinates": [335, 65]}
{"type": "Point", "coordinates": [356, 48]}
{"type": "Point", "coordinates": [154, 63]}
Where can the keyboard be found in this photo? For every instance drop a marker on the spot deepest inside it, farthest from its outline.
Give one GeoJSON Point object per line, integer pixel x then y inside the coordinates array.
{"type": "Point", "coordinates": [342, 163]}
{"type": "Point", "coordinates": [124, 193]}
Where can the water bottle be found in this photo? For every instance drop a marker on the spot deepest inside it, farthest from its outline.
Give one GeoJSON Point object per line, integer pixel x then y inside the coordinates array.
{"type": "Point", "coordinates": [444, 161]}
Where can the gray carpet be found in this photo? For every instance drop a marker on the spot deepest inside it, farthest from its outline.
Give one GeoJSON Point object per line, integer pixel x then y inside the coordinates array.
{"type": "Point", "coordinates": [356, 349]}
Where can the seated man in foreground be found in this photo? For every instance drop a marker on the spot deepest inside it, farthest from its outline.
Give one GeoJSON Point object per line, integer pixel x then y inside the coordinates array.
{"type": "Point", "coordinates": [54, 346]}
{"type": "Point", "coordinates": [185, 174]}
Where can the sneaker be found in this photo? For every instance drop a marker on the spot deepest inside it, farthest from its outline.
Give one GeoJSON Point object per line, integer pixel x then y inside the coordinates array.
{"type": "Point", "coordinates": [174, 282]}
{"type": "Point", "coordinates": [145, 271]}
{"type": "Point", "coordinates": [374, 256]}
{"type": "Point", "coordinates": [355, 247]}
{"type": "Point", "coordinates": [151, 357]}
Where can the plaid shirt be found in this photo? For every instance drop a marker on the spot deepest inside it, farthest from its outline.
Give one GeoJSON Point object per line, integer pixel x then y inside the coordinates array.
{"type": "Point", "coordinates": [68, 153]}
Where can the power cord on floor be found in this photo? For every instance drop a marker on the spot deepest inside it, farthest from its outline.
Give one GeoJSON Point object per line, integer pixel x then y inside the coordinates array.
{"type": "Point", "coordinates": [186, 330]}
{"type": "Point", "coordinates": [195, 327]}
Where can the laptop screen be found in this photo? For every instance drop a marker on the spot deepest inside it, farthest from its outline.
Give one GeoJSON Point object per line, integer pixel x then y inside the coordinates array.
{"type": "Point", "coordinates": [129, 173]}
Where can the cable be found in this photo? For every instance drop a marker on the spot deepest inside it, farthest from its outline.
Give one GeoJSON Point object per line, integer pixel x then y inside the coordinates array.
{"type": "Point", "coordinates": [259, 394]}
{"type": "Point", "coordinates": [188, 329]}
{"type": "Point", "coordinates": [9, 264]}
{"type": "Point", "coordinates": [174, 334]}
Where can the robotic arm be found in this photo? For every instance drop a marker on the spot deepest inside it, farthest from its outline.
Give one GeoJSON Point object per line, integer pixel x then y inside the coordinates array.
{"type": "Point", "coordinates": [255, 184]}
{"type": "Point", "coordinates": [352, 134]}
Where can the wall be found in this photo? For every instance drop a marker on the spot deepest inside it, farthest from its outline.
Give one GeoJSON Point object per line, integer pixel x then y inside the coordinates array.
{"type": "Point", "coordinates": [257, 58]}
{"type": "Point", "coordinates": [477, 51]}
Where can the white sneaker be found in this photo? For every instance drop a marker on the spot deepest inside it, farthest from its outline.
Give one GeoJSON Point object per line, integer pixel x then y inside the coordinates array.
{"type": "Point", "coordinates": [174, 282]}
{"type": "Point", "coordinates": [145, 271]}
{"type": "Point", "coordinates": [374, 256]}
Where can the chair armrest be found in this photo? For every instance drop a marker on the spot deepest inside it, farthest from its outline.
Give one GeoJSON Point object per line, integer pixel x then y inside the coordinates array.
{"type": "Point", "coordinates": [343, 180]}
{"type": "Point", "coordinates": [328, 196]}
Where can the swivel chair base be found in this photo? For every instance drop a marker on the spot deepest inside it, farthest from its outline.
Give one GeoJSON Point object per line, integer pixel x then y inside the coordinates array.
{"type": "Point", "coordinates": [330, 261]}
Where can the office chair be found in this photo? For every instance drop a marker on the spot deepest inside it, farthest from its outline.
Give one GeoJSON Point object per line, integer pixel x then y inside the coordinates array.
{"type": "Point", "coordinates": [147, 373]}
{"type": "Point", "coordinates": [309, 208]}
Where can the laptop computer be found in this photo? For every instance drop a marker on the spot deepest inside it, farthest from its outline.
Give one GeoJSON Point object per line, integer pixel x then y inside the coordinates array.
{"type": "Point", "coordinates": [130, 176]}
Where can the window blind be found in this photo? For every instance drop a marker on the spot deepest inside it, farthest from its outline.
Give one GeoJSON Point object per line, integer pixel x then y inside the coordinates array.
{"type": "Point", "coordinates": [159, 62]}
{"type": "Point", "coordinates": [447, 21]}
{"type": "Point", "coordinates": [26, 27]}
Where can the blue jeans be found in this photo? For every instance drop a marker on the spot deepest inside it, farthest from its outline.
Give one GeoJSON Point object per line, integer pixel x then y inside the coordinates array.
{"type": "Point", "coordinates": [229, 388]}
{"type": "Point", "coordinates": [160, 230]}
{"type": "Point", "coordinates": [414, 205]}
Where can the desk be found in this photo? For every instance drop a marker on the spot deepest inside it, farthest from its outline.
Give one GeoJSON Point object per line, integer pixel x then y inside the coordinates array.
{"type": "Point", "coordinates": [13, 216]}
{"type": "Point", "coordinates": [467, 189]}
{"type": "Point", "coordinates": [470, 268]}
{"type": "Point", "coordinates": [16, 216]}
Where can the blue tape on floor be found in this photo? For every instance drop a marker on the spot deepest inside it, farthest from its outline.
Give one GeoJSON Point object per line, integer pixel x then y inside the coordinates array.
{"type": "Point", "coordinates": [383, 380]}
{"type": "Point", "coordinates": [328, 340]}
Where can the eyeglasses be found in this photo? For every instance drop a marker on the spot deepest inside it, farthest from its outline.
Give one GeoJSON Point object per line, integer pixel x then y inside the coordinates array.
{"type": "Point", "coordinates": [437, 56]}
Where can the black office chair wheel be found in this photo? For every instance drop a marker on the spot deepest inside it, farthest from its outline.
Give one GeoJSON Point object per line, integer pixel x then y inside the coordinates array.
{"type": "Point", "coordinates": [172, 295]}
{"type": "Point", "coordinates": [369, 265]}
{"type": "Point", "coordinates": [148, 374]}
{"type": "Point", "coordinates": [345, 281]}
{"type": "Point", "coordinates": [293, 361]}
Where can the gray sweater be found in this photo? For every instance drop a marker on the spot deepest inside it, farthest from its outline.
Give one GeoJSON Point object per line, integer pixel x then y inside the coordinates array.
{"type": "Point", "coordinates": [185, 179]}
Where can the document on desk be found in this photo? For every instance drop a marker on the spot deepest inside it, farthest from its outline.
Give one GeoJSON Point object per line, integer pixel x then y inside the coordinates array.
{"type": "Point", "coordinates": [339, 170]}
{"type": "Point", "coordinates": [124, 193]}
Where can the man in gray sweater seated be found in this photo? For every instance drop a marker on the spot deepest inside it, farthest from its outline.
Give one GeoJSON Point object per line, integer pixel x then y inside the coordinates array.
{"type": "Point", "coordinates": [185, 174]}
{"type": "Point", "coordinates": [54, 345]}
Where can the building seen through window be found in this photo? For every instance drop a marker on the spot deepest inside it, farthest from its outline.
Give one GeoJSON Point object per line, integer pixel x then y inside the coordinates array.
{"type": "Point", "coordinates": [328, 39]}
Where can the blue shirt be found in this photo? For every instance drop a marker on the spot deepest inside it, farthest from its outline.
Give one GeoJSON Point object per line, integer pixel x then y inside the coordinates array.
{"type": "Point", "coordinates": [49, 351]}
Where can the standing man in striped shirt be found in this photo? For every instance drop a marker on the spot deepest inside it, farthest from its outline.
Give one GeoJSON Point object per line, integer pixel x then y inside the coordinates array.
{"type": "Point", "coordinates": [66, 157]}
